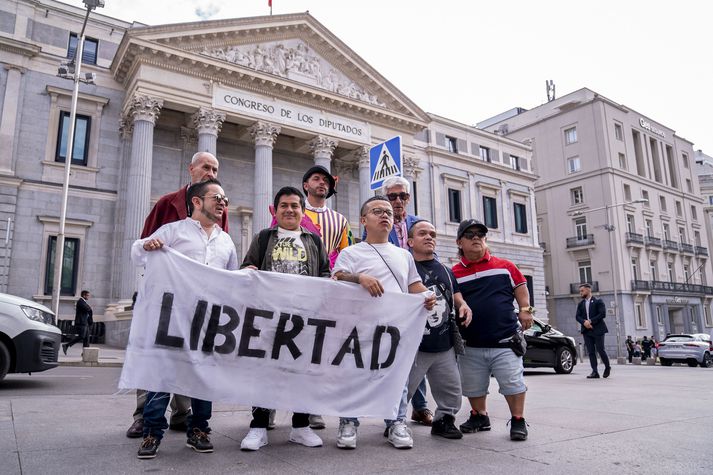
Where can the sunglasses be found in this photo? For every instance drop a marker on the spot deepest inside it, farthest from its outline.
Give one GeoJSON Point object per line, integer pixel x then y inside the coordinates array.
{"type": "Point", "coordinates": [403, 195]}
{"type": "Point", "coordinates": [218, 198]}
{"type": "Point", "coordinates": [381, 211]}
{"type": "Point", "coordinates": [474, 234]}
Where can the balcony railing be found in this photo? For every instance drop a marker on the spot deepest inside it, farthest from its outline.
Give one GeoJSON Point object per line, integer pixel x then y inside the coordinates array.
{"type": "Point", "coordinates": [652, 241]}
{"type": "Point", "coordinates": [634, 238]}
{"type": "Point", "coordinates": [680, 287]}
{"type": "Point", "coordinates": [668, 244]}
{"type": "Point", "coordinates": [579, 241]}
{"type": "Point", "coordinates": [701, 251]}
{"type": "Point", "coordinates": [574, 288]}
{"type": "Point", "coordinates": [687, 248]}
{"type": "Point", "coordinates": [640, 285]}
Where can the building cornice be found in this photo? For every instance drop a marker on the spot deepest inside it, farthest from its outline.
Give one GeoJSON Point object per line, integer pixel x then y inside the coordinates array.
{"type": "Point", "coordinates": [19, 47]}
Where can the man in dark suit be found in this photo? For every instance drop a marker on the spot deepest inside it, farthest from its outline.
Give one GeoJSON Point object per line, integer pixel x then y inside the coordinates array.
{"type": "Point", "coordinates": [82, 321]}
{"type": "Point", "coordinates": [591, 313]}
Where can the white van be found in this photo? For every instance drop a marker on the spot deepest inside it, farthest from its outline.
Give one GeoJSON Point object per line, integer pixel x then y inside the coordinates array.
{"type": "Point", "coordinates": [29, 337]}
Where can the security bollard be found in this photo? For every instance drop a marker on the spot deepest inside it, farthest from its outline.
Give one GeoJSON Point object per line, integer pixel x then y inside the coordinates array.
{"type": "Point", "coordinates": [90, 354]}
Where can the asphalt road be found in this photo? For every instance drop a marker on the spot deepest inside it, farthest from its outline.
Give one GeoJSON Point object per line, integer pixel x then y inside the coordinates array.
{"type": "Point", "coordinates": [641, 420]}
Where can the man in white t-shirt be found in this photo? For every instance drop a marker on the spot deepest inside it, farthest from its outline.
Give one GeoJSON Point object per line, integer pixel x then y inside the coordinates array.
{"type": "Point", "coordinates": [379, 266]}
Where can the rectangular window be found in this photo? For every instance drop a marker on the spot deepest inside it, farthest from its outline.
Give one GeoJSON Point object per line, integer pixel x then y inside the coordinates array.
{"type": "Point", "coordinates": [89, 54]}
{"type": "Point", "coordinates": [694, 214]}
{"type": "Point", "coordinates": [710, 200]}
{"type": "Point", "coordinates": [454, 208]}
{"type": "Point", "coordinates": [689, 185]}
{"type": "Point", "coordinates": [81, 138]}
{"type": "Point", "coordinates": [618, 132]}
{"type": "Point", "coordinates": [671, 274]}
{"type": "Point", "coordinates": [577, 195]}
{"type": "Point", "coordinates": [666, 232]}
{"type": "Point", "coordinates": [622, 161]}
{"type": "Point", "coordinates": [640, 320]}
{"type": "Point", "coordinates": [627, 192]}
{"type": "Point", "coordinates": [580, 227]}
{"type": "Point", "coordinates": [659, 315]}
{"type": "Point", "coordinates": [570, 136]}
{"type": "Point", "coordinates": [662, 203]}
{"type": "Point", "coordinates": [630, 223]}
{"type": "Point", "coordinates": [697, 238]}
{"type": "Point", "coordinates": [573, 165]}
{"type": "Point", "coordinates": [645, 195]}
{"type": "Point", "coordinates": [452, 144]}
{"type": "Point", "coordinates": [70, 266]}
{"type": "Point", "coordinates": [520, 211]}
{"type": "Point", "coordinates": [531, 289]}
{"type": "Point", "coordinates": [679, 209]}
{"type": "Point", "coordinates": [484, 154]}
{"type": "Point", "coordinates": [585, 271]}
{"type": "Point", "coordinates": [686, 273]}
{"type": "Point", "coordinates": [635, 268]}
{"type": "Point", "coordinates": [707, 313]}
{"type": "Point", "coordinates": [490, 212]}
{"type": "Point", "coordinates": [649, 228]}
{"type": "Point", "coordinates": [652, 270]}
{"type": "Point", "coordinates": [682, 235]}
{"type": "Point", "coordinates": [685, 160]}
{"type": "Point", "coordinates": [515, 162]}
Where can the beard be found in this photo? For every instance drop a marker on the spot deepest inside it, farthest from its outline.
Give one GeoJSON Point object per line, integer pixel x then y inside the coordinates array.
{"type": "Point", "coordinates": [211, 216]}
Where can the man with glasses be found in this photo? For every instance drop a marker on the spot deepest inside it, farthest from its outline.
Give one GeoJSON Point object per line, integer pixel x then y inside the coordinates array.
{"type": "Point", "coordinates": [378, 267]}
{"type": "Point", "coordinates": [200, 238]}
{"type": "Point", "coordinates": [291, 249]}
{"type": "Point", "coordinates": [489, 285]}
{"type": "Point", "coordinates": [168, 209]}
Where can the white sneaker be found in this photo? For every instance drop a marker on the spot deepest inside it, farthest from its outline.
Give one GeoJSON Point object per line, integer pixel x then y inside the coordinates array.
{"type": "Point", "coordinates": [400, 435]}
{"type": "Point", "coordinates": [255, 439]}
{"type": "Point", "coordinates": [305, 436]}
{"type": "Point", "coordinates": [347, 435]}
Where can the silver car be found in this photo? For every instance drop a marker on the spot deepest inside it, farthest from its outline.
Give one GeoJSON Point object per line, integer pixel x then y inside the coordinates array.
{"type": "Point", "coordinates": [694, 349]}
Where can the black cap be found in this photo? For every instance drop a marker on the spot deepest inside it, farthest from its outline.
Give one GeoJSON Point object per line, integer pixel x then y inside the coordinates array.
{"type": "Point", "coordinates": [320, 169]}
{"type": "Point", "coordinates": [469, 223]}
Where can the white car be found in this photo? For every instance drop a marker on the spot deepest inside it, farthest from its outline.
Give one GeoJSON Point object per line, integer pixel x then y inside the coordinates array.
{"type": "Point", "coordinates": [694, 349]}
{"type": "Point", "coordinates": [29, 337]}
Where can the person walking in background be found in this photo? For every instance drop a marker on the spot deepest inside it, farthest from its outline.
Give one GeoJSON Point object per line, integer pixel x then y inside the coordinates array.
{"type": "Point", "coordinates": [83, 320]}
{"type": "Point", "coordinates": [629, 347]}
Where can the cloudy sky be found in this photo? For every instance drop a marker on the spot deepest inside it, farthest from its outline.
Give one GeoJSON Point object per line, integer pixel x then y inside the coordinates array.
{"type": "Point", "coordinates": [469, 60]}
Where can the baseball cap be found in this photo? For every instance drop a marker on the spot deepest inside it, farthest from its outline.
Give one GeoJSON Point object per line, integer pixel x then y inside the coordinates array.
{"type": "Point", "coordinates": [469, 223]}
{"type": "Point", "coordinates": [321, 170]}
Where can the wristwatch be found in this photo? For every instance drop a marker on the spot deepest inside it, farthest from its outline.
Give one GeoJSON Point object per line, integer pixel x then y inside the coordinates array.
{"type": "Point", "coordinates": [531, 310]}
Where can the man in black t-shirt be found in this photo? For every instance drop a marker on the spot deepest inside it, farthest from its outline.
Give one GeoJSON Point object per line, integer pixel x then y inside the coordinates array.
{"type": "Point", "coordinates": [436, 357]}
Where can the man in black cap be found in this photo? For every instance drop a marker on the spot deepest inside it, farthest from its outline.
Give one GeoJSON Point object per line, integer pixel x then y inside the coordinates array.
{"type": "Point", "coordinates": [489, 285]}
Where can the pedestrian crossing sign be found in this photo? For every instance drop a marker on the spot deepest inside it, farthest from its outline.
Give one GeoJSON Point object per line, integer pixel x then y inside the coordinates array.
{"type": "Point", "coordinates": [385, 161]}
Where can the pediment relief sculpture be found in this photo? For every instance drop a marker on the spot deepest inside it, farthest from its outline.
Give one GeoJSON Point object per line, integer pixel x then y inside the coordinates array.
{"type": "Point", "coordinates": [293, 60]}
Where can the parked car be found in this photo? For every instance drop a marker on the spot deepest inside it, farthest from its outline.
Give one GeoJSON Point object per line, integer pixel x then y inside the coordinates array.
{"type": "Point", "coordinates": [549, 348]}
{"type": "Point", "coordinates": [29, 337]}
{"type": "Point", "coordinates": [694, 349]}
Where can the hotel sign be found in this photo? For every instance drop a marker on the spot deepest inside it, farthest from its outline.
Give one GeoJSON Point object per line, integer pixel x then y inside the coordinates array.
{"type": "Point", "coordinates": [651, 128]}
{"type": "Point", "coordinates": [285, 113]}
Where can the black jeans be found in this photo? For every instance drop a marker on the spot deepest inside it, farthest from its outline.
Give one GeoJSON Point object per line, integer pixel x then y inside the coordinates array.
{"type": "Point", "coordinates": [82, 335]}
{"type": "Point", "coordinates": [593, 343]}
{"type": "Point", "coordinates": [261, 417]}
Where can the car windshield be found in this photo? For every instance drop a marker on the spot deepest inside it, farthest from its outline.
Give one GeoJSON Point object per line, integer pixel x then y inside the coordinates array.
{"type": "Point", "coordinates": [534, 328]}
{"type": "Point", "coordinates": [679, 338]}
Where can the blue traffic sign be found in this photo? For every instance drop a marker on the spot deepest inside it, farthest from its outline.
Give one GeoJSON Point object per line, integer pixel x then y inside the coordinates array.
{"type": "Point", "coordinates": [385, 161]}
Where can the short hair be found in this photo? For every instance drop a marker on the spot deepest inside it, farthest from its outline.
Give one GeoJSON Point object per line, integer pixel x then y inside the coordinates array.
{"type": "Point", "coordinates": [289, 191]}
{"type": "Point", "coordinates": [198, 190]}
{"type": "Point", "coordinates": [197, 155]}
{"type": "Point", "coordinates": [585, 284]}
{"type": "Point", "coordinates": [84, 293]}
{"type": "Point", "coordinates": [362, 211]}
{"type": "Point", "coordinates": [394, 181]}
{"type": "Point", "coordinates": [413, 225]}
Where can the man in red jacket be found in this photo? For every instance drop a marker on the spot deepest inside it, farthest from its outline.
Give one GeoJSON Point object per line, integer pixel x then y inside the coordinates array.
{"type": "Point", "coordinates": [169, 208]}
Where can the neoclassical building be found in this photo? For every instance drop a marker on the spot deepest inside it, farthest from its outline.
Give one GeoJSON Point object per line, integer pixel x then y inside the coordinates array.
{"type": "Point", "coordinates": [270, 96]}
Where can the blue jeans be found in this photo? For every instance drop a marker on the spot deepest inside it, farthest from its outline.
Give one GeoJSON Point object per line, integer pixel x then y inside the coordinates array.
{"type": "Point", "coordinates": [155, 415]}
{"type": "Point", "coordinates": [403, 405]}
{"type": "Point", "coordinates": [418, 401]}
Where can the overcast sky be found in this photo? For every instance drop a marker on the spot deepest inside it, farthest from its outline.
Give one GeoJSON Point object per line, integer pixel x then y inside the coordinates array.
{"type": "Point", "coordinates": [469, 60]}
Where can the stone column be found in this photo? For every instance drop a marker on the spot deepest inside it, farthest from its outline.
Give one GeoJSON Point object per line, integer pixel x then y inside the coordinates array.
{"type": "Point", "coordinates": [143, 112]}
{"type": "Point", "coordinates": [411, 172]}
{"type": "Point", "coordinates": [189, 138]}
{"type": "Point", "coordinates": [505, 206]}
{"type": "Point", "coordinates": [264, 134]}
{"type": "Point", "coordinates": [8, 119]}
{"type": "Point", "coordinates": [322, 148]}
{"type": "Point", "coordinates": [533, 219]}
{"type": "Point", "coordinates": [208, 123]}
{"type": "Point", "coordinates": [365, 191]}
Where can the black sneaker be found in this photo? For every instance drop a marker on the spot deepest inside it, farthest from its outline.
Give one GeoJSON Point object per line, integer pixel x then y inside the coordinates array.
{"type": "Point", "coordinates": [445, 427]}
{"type": "Point", "coordinates": [149, 447]}
{"type": "Point", "coordinates": [199, 442]}
{"type": "Point", "coordinates": [64, 348]}
{"type": "Point", "coordinates": [475, 423]}
{"type": "Point", "coordinates": [518, 429]}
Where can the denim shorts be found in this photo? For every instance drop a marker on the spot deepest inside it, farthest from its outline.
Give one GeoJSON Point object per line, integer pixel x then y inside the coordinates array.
{"type": "Point", "coordinates": [477, 364]}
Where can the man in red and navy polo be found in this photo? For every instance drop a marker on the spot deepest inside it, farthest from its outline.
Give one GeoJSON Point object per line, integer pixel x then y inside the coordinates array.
{"type": "Point", "coordinates": [489, 286]}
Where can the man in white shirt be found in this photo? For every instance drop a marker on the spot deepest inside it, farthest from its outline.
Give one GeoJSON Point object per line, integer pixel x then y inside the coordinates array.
{"type": "Point", "coordinates": [198, 237]}
{"type": "Point", "coordinates": [379, 266]}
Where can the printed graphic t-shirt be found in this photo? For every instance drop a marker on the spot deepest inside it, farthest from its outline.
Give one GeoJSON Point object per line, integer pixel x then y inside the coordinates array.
{"type": "Point", "coordinates": [289, 255]}
{"type": "Point", "coordinates": [437, 336]}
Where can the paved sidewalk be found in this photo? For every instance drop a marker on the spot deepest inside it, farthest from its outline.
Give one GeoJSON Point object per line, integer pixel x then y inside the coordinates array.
{"type": "Point", "coordinates": [108, 356]}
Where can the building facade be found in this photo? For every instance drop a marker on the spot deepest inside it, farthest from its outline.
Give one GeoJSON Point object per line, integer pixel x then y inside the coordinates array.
{"type": "Point", "coordinates": [618, 206]}
{"type": "Point", "coordinates": [270, 96]}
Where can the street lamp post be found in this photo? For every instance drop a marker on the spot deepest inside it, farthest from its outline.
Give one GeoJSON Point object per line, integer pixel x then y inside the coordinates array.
{"type": "Point", "coordinates": [70, 70]}
{"type": "Point", "coordinates": [610, 229]}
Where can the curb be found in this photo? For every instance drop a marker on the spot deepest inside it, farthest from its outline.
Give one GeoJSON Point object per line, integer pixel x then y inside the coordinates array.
{"type": "Point", "coordinates": [82, 363]}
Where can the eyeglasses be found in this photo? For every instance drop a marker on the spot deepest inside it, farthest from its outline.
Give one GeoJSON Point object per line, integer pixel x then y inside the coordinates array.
{"type": "Point", "coordinates": [403, 195]}
{"type": "Point", "coordinates": [381, 211]}
{"type": "Point", "coordinates": [218, 198]}
{"type": "Point", "coordinates": [474, 234]}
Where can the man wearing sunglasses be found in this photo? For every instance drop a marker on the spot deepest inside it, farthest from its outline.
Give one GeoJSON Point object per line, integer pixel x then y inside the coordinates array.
{"type": "Point", "coordinates": [489, 286]}
{"type": "Point", "coordinates": [198, 237]}
{"type": "Point", "coordinates": [168, 209]}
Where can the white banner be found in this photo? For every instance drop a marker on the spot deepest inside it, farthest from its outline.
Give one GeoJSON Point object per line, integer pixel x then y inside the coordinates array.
{"type": "Point", "coordinates": [271, 340]}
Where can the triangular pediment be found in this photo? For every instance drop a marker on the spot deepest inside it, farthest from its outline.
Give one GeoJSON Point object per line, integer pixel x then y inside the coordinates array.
{"type": "Point", "coordinates": [290, 53]}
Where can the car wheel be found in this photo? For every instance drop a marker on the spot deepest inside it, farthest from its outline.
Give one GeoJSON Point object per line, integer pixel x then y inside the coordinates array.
{"type": "Point", "coordinates": [692, 363]}
{"type": "Point", "coordinates": [707, 360]}
{"type": "Point", "coordinates": [4, 360]}
{"type": "Point", "coordinates": [564, 360]}
{"type": "Point", "coordinates": [665, 362]}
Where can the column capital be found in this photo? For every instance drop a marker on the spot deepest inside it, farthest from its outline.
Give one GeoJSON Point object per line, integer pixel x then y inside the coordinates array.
{"type": "Point", "coordinates": [208, 121]}
{"type": "Point", "coordinates": [189, 136]}
{"type": "Point", "coordinates": [264, 133]}
{"type": "Point", "coordinates": [126, 128]}
{"type": "Point", "coordinates": [345, 167]}
{"type": "Point", "coordinates": [411, 168]}
{"type": "Point", "coordinates": [322, 145]}
{"type": "Point", "coordinates": [362, 156]}
{"type": "Point", "coordinates": [146, 108]}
